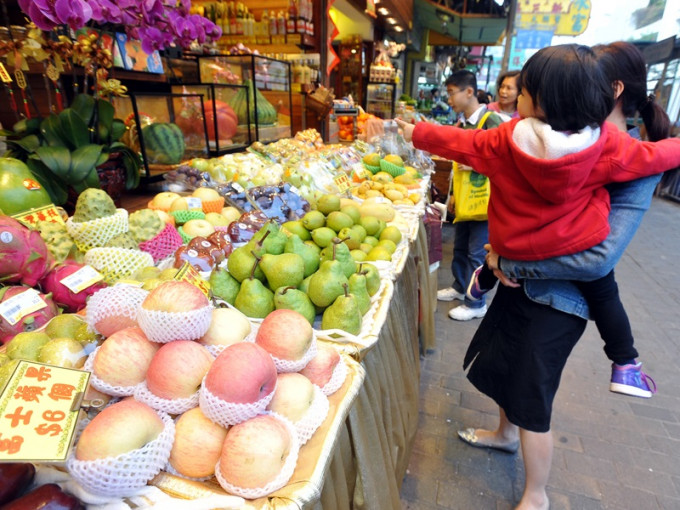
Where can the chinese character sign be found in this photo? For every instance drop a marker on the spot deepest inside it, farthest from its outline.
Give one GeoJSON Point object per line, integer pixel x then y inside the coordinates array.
{"type": "Point", "coordinates": [565, 17]}
{"type": "Point", "coordinates": [36, 421]}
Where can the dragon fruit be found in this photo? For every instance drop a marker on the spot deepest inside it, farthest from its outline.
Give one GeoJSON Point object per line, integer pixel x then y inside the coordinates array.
{"type": "Point", "coordinates": [30, 322]}
{"type": "Point", "coordinates": [24, 257]}
{"type": "Point", "coordinates": [61, 294]}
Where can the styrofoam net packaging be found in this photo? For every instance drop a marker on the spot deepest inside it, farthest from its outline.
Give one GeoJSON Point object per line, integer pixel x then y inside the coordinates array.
{"type": "Point", "coordinates": [168, 468]}
{"type": "Point", "coordinates": [170, 406]}
{"type": "Point", "coordinates": [117, 263]}
{"type": "Point", "coordinates": [313, 418]}
{"type": "Point", "coordinates": [116, 301]}
{"type": "Point", "coordinates": [230, 413]}
{"type": "Point", "coordinates": [163, 327]}
{"type": "Point", "coordinates": [163, 244]}
{"type": "Point", "coordinates": [280, 481]}
{"type": "Point", "coordinates": [96, 233]}
{"type": "Point", "coordinates": [212, 205]}
{"type": "Point", "coordinates": [286, 365]}
{"type": "Point", "coordinates": [337, 379]}
{"type": "Point", "coordinates": [125, 474]}
{"type": "Point", "coordinates": [103, 386]}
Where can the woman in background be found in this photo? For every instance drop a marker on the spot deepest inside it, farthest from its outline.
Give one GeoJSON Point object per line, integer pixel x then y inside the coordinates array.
{"type": "Point", "coordinates": [507, 92]}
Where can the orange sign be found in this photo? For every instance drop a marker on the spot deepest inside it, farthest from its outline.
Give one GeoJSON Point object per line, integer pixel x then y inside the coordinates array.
{"type": "Point", "coordinates": [342, 182]}
{"type": "Point", "coordinates": [32, 217]}
{"type": "Point", "coordinates": [36, 420]}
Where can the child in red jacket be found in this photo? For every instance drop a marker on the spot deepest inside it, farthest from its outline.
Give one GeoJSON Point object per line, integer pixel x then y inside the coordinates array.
{"type": "Point", "coordinates": [548, 171]}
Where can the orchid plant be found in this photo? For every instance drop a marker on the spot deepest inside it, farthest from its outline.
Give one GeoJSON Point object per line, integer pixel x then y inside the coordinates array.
{"type": "Point", "coordinates": [157, 24]}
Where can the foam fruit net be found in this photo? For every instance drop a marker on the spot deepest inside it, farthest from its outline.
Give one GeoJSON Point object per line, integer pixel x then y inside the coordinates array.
{"type": "Point", "coordinates": [117, 263]}
{"type": "Point", "coordinates": [216, 350]}
{"type": "Point", "coordinates": [313, 418]}
{"type": "Point", "coordinates": [103, 386]}
{"type": "Point", "coordinates": [230, 413]}
{"type": "Point", "coordinates": [125, 474]}
{"type": "Point", "coordinates": [119, 300]}
{"type": "Point", "coordinates": [212, 205]}
{"type": "Point", "coordinates": [96, 233]}
{"type": "Point", "coordinates": [169, 469]}
{"type": "Point", "coordinates": [163, 244]}
{"type": "Point", "coordinates": [280, 481]}
{"type": "Point", "coordinates": [337, 379]}
{"type": "Point", "coordinates": [163, 327]}
{"type": "Point", "coordinates": [174, 406]}
{"type": "Point", "coordinates": [286, 365]}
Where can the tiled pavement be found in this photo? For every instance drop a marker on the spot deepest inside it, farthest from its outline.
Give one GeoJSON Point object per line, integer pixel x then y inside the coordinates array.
{"type": "Point", "coordinates": [611, 451]}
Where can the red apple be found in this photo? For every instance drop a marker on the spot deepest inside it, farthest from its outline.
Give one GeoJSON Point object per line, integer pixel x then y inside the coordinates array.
{"type": "Point", "coordinates": [255, 452]}
{"type": "Point", "coordinates": [175, 296]}
{"type": "Point", "coordinates": [197, 446]}
{"type": "Point", "coordinates": [124, 357]}
{"type": "Point", "coordinates": [114, 308]}
{"type": "Point", "coordinates": [293, 396]}
{"type": "Point", "coordinates": [242, 373]}
{"type": "Point", "coordinates": [177, 369]}
{"type": "Point", "coordinates": [285, 334]}
{"type": "Point", "coordinates": [320, 369]}
{"type": "Point", "coordinates": [228, 326]}
{"type": "Point", "coordinates": [120, 428]}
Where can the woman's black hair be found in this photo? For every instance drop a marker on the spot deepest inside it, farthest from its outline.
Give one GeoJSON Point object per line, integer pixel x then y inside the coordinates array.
{"type": "Point", "coordinates": [503, 76]}
{"type": "Point", "coordinates": [569, 85]}
{"type": "Point", "coordinates": [622, 61]}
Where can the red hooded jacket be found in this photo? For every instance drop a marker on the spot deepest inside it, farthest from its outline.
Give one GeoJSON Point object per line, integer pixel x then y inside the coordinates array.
{"type": "Point", "coordinates": [541, 208]}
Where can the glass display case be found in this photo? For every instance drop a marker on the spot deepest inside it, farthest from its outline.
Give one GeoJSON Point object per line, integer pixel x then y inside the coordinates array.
{"type": "Point", "coordinates": [166, 129]}
{"type": "Point", "coordinates": [224, 132]}
{"type": "Point", "coordinates": [266, 101]}
{"type": "Point", "coordinates": [380, 99]}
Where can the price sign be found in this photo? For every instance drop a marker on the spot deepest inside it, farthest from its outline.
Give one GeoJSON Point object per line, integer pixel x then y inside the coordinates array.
{"type": "Point", "coordinates": [194, 203]}
{"type": "Point", "coordinates": [32, 217]}
{"type": "Point", "coordinates": [36, 420]}
{"type": "Point", "coordinates": [85, 277]}
{"type": "Point", "coordinates": [19, 306]}
{"type": "Point", "coordinates": [187, 273]}
{"type": "Point", "coordinates": [4, 75]}
{"type": "Point", "coordinates": [342, 182]}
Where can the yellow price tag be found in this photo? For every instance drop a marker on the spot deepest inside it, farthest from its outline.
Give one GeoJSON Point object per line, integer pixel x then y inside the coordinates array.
{"type": "Point", "coordinates": [20, 305]}
{"type": "Point", "coordinates": [32, 217]}
{"type": "Point", "coordinates": [36, 420]}
{"type": "Point", "coordinates": [187, 273]}
{"type": "Point", "coordinates": [342, 182]}
{"type": "Point", "coordinates": [4, 75]}
{"type": "Point", "coordinates": [83, 278]}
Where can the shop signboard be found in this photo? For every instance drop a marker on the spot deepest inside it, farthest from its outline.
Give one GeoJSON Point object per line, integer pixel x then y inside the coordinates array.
{"type": "Point", "coordinates": [566, 17]}
{"type": "Point", "coordinates": [532, 39]}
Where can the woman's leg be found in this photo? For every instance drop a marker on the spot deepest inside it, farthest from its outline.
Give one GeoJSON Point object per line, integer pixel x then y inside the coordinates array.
{"type": "Point", "coordinates": [537, 450]}
{"type": "Point", "coordinates": [505, 434]}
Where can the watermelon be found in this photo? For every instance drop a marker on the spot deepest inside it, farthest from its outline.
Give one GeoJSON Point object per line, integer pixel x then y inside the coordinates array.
{"type": "Point", "coordinates": [164, 143]}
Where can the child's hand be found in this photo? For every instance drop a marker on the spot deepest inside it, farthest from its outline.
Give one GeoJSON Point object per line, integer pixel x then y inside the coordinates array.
{"type": "Point", "coordinates": [492, 261]}
{"type": "Point", "coordinates": [406, 128]}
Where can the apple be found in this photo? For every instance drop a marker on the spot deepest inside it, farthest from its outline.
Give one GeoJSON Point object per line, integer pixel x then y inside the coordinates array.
{"type": "Point", "coordinates": [231, 213]}
{"type": "Point", "coordinates": [228, 326]}
{"type": "Point", "coordinates": [216, 219]}
{"type": "Point", "coordinates": [164, 200]}
{"type": "Point", "coordinates": [165, 217]}
{"type": "Point", "coordinates": [320, 369]}
{"type": "Point", "coordinates": [179, 204]}
{"type": "Point", "coordinates": [175, 296]}
{"type": "Point", "coordinates": [195, 228]}
{"type": "Point", "coordinates": [195, 433]}
{"type": "Point", "coordinates": [243, 373]}
{"type": "Point", "coordinates": [124, 357]}
{"type": "Point", "coordinates": [177, 369]}
{"type": "Point", "coordinates": [255, 451]}
{"type": "Point", "coordinates": [114, 308]}
{"type": "Point", "coordinates": [120, 428]}
{"type": "Point", "coordinates": [285, 334]}
{"type": "Point", "coordinates": [206, 194]}
{"type": "Point", "coordinates": [293, 396]}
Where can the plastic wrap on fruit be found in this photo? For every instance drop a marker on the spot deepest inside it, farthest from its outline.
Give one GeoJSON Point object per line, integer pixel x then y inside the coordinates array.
{"type": "Point", "coordinates": [243, 230]}
{"type": "Point", "coordinates": [222, 240]}
{"type": "Point", "coordinates": [46, 497]}
{"type": "Point", "coordinates": [201, 261]}
{"type": "Point", "coordinates": [235, 196]}
{"type": "Point", "coordinates": [186, 177]}
{"type": "Point", "coordinates": [204, 245]}
{"type": "Point", "coordinates": [15, 477]}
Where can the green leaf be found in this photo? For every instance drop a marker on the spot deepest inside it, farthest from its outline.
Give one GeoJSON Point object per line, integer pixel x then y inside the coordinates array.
{"type": "Point", "coordinates": [26, 126]}
{"type": "Point", "coordinates": [55, 189]}
{"type": "Point", "coordinates": [83, 105]}
{"type": "Point", "coordinates": [105, 113]}
{"type": "Point", "coordinates": [52, 131]}
{"type": "Point", "coordinates": [83, 161]}
{"type": "Point", "coordinates": [28, 143]}
{"type": "Point", "coordinates": [103, 158]}
{"type": "Point", "coordinates": [117, 129]}
{"type": "Point", "coordinates": [74, 129]}
{"type": "Point", "coordinates": [57, 159]}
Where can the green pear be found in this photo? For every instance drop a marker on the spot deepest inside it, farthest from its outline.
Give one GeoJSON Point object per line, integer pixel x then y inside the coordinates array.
{"type": "Point", "coordinates": [146, 273]}
{"type": "Point", "coordinates": [381, 226]}
{"type": "Point", "coordinates": [352, 211]}
{"type": "Point", "coordinates": [339, 251]}
{"type": "Point", "coordinates": [323, 236]}
{"type": "Point", "coordinates": [349, 238]}
{"type": "Point", "coordinates": [316, 247]}
{"type": "Point", "coordinates": [151, 283]}
{"type": "Point", "coordinates": [64, 325]}
{"type": "Point", "coordinates": [310, 256]}
{"type": "Point", "coordinates": [365, 247]}
{"type": "Point", "coordinates": [373, 241]}
{"type": "Point", "coordinates": [328, 203]}
{"type": "Point", "coordinates": [291, 298]}
{"type": "Point", "coordinates": [223, 285]}
{"type": "Point", "coordinates": [359, 232]}
{"type": "Point", "coordinates": [27, 345]}
{"type": "Point", "coordinates": [304, 285]}
{"type": "Point", "coordinates": [372, 277]}
{"type": "Point", "coordinates": [284, 270]}
{"type": "Point", "coordinates": [357, 287]}
{"type": "Point", "coordinates": [358, 255]}
{"type": "Point", "coordinates": [254, 299]}
{"type": "Point", "coordinates": [297, 227]}
{"type": "Point", "coordinates": [338, 220]}
{"type": "Point", "coordinates": [313, 220]}
{"type": "Point", "coordinates": [272, 237]}
{"type": "Point", "coordinates": [240, 262]}
{"type": "Point", "coordinates": [3, 358]}
{"type": "Point", "coordinates": [63, 352]}
{"type": "Point", "coordinates": [6, 371]}
{"type": "Point", "coordinates": [326, 284]}
{"type": "Point", "coordinates": [343, 314]}
{"type": "Point", "coordinates": [371, 224]}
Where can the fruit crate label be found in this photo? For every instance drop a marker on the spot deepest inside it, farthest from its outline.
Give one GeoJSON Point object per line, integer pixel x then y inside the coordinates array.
{"type": "Point", "coordinates": [19, 306]}
{"type": "Point", "coordinates": [187, 273]}
{"type": "Point", "coordinates": [194, 203]}
{"type": "Point", "coordinates": [32, 217]}
{"type": "Point", "coordinates": [39, 412]}
{"type": "Point", "coordinates": [85, 277]}
{"type": "Point", "coordinates": [342, 182]}
{"type": "Point", "coordinates": [237, 187]}
{"type": "Point", "coordinates": [361, 172]}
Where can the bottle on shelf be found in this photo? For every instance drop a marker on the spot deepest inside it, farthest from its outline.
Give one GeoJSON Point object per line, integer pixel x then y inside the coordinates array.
{"type": "Point", "coordinates": [264, 27]}
{"type": "Point", "coordinates": [239, 18]}
{"type": "Point", "coordinates": [292, 17]}
{"type": "Point", "coordinates": [273, 25]}
{"type": "Point", "coordinates": [281, 22]}
{"type": "Point", "coordinates": [302, 17]}
{"type": "Point", "coordinates": [232, 18]}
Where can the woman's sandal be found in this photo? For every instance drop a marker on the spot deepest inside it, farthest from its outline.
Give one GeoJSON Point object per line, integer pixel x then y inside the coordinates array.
{"type": "Point", "coordinates": [470, 437]}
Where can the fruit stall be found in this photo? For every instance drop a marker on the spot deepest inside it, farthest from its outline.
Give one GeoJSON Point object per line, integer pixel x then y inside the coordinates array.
{"type": "Point", "coordinates": [247, 338]}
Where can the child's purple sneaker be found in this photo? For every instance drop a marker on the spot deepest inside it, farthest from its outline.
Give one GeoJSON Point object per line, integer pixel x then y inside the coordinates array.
{"type": "Point", "coordinates": [474, 291]}
{"type": "Point", "coordinates": [631, 380]}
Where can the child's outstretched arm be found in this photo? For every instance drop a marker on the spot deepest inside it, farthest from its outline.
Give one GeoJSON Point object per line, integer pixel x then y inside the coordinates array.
{"type": "Point", "coordinates": [406, 128]}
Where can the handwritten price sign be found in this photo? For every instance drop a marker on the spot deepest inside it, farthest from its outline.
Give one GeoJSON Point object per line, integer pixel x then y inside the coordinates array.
{"type": "Point", "coordinates": [36, 420]}
{"type": "Point", "coordinates": [187, 273]}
